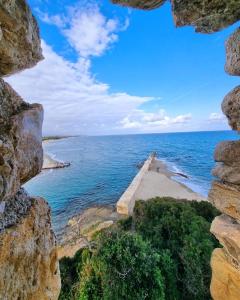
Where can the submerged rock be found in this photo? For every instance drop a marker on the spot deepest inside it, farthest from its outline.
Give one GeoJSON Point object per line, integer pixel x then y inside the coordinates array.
{"type": "Point", "coordinates": [231, 108]}
{"type": "Point", "coordinates": [233, 54]}
{"type": "Point", "coordinates": [19, 37]}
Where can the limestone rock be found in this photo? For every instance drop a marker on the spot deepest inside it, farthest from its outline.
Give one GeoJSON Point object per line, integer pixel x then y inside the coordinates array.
{"type": "Point", "coordinates": [233, 54]}
{"type": "Point", "coordinates": [14, 209]}
{"type": "Point", "coordinates": [21, 152]}
{"type": "Point", "coordinates": [26, 132]}
{"type": "Point", "coordinates": [227, 231]}
{"type": "Point", "coordinates": [206, 16]}
{"type": "Point", "coordinates": [19, 37]}
{"type": "Point", "coordinates": [81, 228]}
{"type": "Point", "coordinates": [50, 163]}
{"type": "Point", "coordinates": [225, 278]}
{"type": "Point", "coordinates": [226, 173]}
{"type": "Point", "coordinates": [226, 198]}
{"type": "Point", "coordinates": [141, 4]}
{"type": "Point", "coordinates": [228, 152]}
{"type": "Point", "coordinates": [231, 108]}
{"type": "Point", "coordinates": [28, 257]}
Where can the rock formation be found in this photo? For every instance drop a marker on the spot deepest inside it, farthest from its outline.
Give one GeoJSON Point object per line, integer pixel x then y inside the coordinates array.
{"type": "Point", "coordinates": [19, 35]}
{"type": "Point", "coordinates": [28, 253]}
{"type": "Point", "coordinates": [28, 256]}
{"type": "Point", "coordinates": [232, 65]}
{"type": "Point", "coordinates": [225, 277]}
{"type": "Point", "coordinates": [144, 4]}
{"type": "Point", "coordinates": [207, 17]}
{"type": "Point", "coordinates": [231, 108]}
{"type": "Point", "coordinates": [225, 192]}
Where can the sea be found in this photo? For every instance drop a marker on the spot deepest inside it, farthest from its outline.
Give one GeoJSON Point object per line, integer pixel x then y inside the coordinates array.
{"type": "Point", "coordinates": [102, 167]}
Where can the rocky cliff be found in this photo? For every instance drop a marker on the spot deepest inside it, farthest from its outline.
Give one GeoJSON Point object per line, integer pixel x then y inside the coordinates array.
{"type": "Point", "coordinates": [208, 17]}
{"type": "Point", "coordinates": [28, 253]}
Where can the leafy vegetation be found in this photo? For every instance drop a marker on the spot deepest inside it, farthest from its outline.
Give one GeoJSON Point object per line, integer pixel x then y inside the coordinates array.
{"type": "Point", "coordinates": [161, 253]}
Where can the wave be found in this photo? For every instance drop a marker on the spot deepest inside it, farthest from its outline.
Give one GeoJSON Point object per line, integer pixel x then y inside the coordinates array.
{"type": "Point", "coordinates": [191, 182]}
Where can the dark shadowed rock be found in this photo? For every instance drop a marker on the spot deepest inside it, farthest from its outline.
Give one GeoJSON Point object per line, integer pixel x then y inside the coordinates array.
{"type": "Point", "coordinates": [233, 54]}
{"type": "Point", "coordinates": [21, 152]}
{"type": "Point", "coordinates": [206, 16]}
{"type": "Point", "coordinates": [141, 4]}
{"type": "Point", "coordinates": [19, 37]}
{"type": "Point", "coordinates": [231, 108]}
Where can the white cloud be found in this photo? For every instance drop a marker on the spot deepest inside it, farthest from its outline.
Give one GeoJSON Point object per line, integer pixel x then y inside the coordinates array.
{"type": "Point", "coordinates": [157, 121]}
{"type": "Point", "coordinates": [217, 117]}
{"type": "Point", "coordinates": [87, 30]}
{"type": "Point", "coordinates": [90, 33]}
{"type": "Point", "coordinates": [57, 20]}
{"type": "Point", "coordinates": [74, 102]}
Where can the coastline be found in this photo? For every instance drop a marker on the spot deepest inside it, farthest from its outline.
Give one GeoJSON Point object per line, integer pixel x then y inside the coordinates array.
{"type": "Point", "coordinates": [154, 179]}
{"type": "Point", "coordinates": [48, 161]}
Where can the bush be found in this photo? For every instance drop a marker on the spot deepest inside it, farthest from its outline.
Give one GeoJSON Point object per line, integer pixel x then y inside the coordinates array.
{"type": "Point", "coordinates": [181, 228]}
{"type": "Point", "coordinates": [162, 252]}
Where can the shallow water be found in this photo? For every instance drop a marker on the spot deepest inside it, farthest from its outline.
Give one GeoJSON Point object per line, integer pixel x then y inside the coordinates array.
{"type": "Point", "coordinates": [103, 167]}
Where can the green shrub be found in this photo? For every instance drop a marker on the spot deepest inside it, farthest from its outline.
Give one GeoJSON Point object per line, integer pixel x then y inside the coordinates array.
{"type": "Point", "coordinates": [122, 267]}
{"type": "Point", "coordinates": [162, 252]}
{"type": "Point", "coordinates": [181, 228]}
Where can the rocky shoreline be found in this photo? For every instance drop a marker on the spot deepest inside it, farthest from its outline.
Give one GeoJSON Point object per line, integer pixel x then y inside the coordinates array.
{"type": "Point", "coordinates": [81, 228]}
{"type": "Point", "coordinates": [50, 163]}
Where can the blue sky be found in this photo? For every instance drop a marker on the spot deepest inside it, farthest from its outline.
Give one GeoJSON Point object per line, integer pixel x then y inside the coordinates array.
{"type": "Point", "coordinates": [113, 70]}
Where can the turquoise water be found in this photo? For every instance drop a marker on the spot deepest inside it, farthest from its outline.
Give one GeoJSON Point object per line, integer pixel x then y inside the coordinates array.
{"type": "Point", "coordinates": [102, 167]}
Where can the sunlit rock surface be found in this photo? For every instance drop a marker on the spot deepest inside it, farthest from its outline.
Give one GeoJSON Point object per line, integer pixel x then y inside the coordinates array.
{"type": "Point", "coordinates": [28, 256]}
{"type": "Point", "coordinates": [19, 37]}
{"type": "Point", "coordinates": [226, 198]}
{"type": "Point", "coordinates": [225, 278]}
{"type": "Point", "coordinates": [227, 231]}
